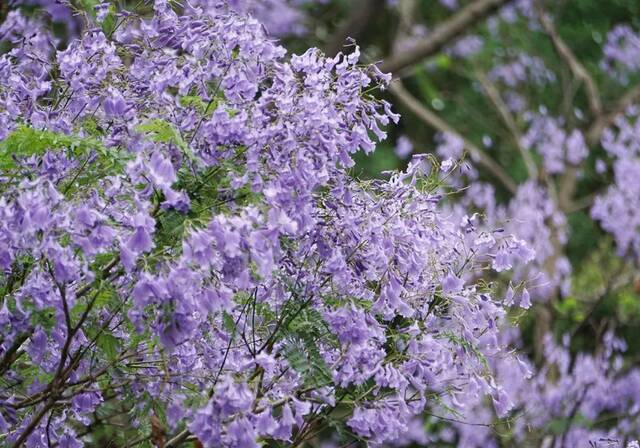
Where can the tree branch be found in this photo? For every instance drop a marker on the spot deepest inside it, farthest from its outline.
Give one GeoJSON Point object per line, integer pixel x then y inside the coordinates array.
{"type": "Point", "coordinates": [12, 353]}
{"type": "Point", "coordinates": [605, 120]}
{"type": "Point", "coordinates": [33, 424]}
{"type": "Point", "coordinates": [443, 34]}
{"type": "Point", "coordinates": [437, 123]}
{"type": "Point", "coordinates": [509, 121]}
{"type": "Point", "coordinates": [360, 15]}
{"type": "Point", "coordinates": [576, 67]}
{"type": "Point", "coordinates": [178, 439]}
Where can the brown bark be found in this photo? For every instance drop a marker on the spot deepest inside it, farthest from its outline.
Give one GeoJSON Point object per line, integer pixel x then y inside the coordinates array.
{"type": "Point", "coordinates": [443, 34]}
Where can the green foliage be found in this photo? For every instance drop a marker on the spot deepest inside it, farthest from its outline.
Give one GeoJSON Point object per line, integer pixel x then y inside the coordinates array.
{"type": "Point", "coordinates": [371, 165]}
{"type": "Point", "coordinates": [198, 104]}
{"type": "Point", "coordinates": [97, 161]}
{"type": "Point", "coordinates": [26, 141]}
{"type": "Point", "coordinates": [301, 347]}
{"type": "Point", "coordinates": [560, 426]}
{"type": "Point", "coordinates": [161, 131]}
{"type": "Point", "coordinates": [44, 318]}
{"type": "Point", "coordinates": [109, 344]}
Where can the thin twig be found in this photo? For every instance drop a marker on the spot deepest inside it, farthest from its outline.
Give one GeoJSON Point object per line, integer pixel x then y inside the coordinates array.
{"type": "Point", "coordinates": [605, 120]}
{"type": "Point", "coordinates": [496, 99]}
{"type": "Point", "coordinates": [360, 15]}
{"type": "Point", "coordinates": [576, 67]}
{"type": "Point", "coordinates": [432, 120]}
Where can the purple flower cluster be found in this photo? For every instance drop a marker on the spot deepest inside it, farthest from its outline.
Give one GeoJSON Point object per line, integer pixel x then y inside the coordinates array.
{"type": "Point", "coordinates": [615, 208]}
{"type": "Point", "coordinates": [179, 231]}
{"type": "Point", "coordinates": [621, 51]}
{"type": "Point", "coordinates": [562, 403]}
{"type": "Point", "coordinates": [557, 146]}
{"type": "Point", "coordinates": [279, 17]}
{"type": "Point", "coordinates": [522, 68]}
{"type": "Point", "coordinates": [531, 217]}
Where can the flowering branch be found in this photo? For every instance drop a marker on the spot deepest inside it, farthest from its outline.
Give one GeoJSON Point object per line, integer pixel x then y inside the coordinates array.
{"type": "Point", "coordinates": [432, 120]}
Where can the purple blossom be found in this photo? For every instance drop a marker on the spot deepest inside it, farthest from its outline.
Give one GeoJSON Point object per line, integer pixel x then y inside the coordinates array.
{"type": "Point", "coordinates": [404, 147]}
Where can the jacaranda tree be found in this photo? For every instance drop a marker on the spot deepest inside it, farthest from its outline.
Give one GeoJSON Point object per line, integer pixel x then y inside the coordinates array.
{"type": "Point", "coordinates": [190, 258]}
{"type": "Point", "coordinates": [185, 256]}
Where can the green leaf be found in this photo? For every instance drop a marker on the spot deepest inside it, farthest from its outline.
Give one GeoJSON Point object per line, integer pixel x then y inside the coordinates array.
{"type": "Point", "coordinates": [301, 347]}
{"type": "Point", "coordinates": [45, 318]}
{"type": "Point", "coordinates": [109, 344]}
{"type": "Point", "coordinates": [469, 347]}
{"type": "Point", "coordinates": [26, 141]}
{"type": "Point", "coordinates": [562, 425]}
{"type": "Point", "coordinates": [199, 104]}
{"type": "Point", "coordinates": [443, 61]}
{"type": "Point", "coordinates": [163, 132]}
{"type": "Point", "coordinates": [228, 322]}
